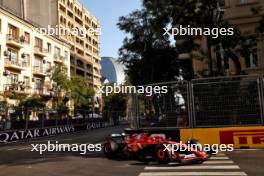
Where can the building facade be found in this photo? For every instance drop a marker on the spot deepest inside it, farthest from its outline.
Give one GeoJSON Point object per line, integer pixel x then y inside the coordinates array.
{"type": "Point", "coordinates": [26, 57]}
{"type": "Point", "coordinates": [244, 15]}
{"type": "Point", "coordinates": [67, 14]}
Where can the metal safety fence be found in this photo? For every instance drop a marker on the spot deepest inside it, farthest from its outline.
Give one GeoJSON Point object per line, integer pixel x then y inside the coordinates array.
{"type": "Point", "coordinates": [209, 102]}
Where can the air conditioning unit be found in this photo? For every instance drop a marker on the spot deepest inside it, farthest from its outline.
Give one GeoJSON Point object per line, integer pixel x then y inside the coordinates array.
{"type": "Point", "coordinates": [23, 55]}
{"type": "Point", "coordinates": [22, 38]}
{"type": "Point", "coordinates": [44, 61]}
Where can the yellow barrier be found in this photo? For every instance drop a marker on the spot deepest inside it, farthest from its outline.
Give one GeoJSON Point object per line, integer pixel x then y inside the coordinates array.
{"type": "Point", "coordinates": [251, 137]}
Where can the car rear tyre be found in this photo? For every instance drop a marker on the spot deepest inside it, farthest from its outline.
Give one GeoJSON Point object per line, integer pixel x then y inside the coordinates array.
{"type": "Point", "coordinates": [108, 150]}
{"type": "Point", "coordinates": [162, 155]}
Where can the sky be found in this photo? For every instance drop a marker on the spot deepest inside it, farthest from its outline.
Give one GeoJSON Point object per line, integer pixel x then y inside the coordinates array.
{"type": "Point", "coordinates": [108, 12]}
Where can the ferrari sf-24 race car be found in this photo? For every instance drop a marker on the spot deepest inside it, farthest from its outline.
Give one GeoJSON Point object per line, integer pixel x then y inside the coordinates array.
{"type": "Point", "coordinates": [146, 146]}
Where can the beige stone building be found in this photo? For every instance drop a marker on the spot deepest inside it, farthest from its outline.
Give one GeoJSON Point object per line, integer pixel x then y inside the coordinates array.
{"type": "Point", "coordinates": [67, 14]}
{"type": "Point", "coordinates": [240, 14]}
{"type": "Point", "coordinates": [26, 56]}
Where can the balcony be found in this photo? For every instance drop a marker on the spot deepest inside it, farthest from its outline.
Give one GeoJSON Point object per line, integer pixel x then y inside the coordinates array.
{"type": "Point", "coordinates": [89, 79]}
{"type": "Point", "coordinates": [58, 58]}
{"type": "Point", "coordinates": [13, 64]}
{"type": "Point", "coordinates": [17, 87]}
{"type": "Point", "coordinates": [40, 51]}
{"type": "Point", "coordinates": [43, 91]}
{"type": "Point", "coordinates": [39, 70]}
{"type": "Point", "coordinates": [15, 41]}
{"type": "Point", "coordinates": [97, 82]}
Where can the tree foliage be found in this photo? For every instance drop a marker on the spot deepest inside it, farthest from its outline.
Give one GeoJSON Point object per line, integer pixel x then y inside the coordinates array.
{"type": "Point", "coordinates": [75, 88]}
{"type": "Point", "coordinates": [33, 101]}
{"type": "Point", "coordinates": [115, 102]}
{"type": "Point", "coordinates": [80, 93]}
{"type": "Point", "coordinates": [147, 55]}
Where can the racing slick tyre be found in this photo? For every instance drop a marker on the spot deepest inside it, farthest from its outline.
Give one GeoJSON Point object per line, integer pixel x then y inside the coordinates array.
{"type": "Point", "coordinates": [108, 150]}
{"type": "Point", "coordinates": [162, 155]}
{"type": "Point", "coordinates": [200, 162]}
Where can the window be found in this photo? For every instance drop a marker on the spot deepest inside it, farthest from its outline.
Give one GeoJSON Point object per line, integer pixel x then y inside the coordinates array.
{"type": "Point", "coordinates": [251, 57]}
{"type": "Point", "coordinates": [13, 32]}
{"type": "Point", "coordinates": [49, 47]}
{"type": "Point", "coordinates": [26, 81]}
{"type": "Point", "coordinates": [38, 83]}
{"type": "Point", "coordinates": [243, 1]}
{"type": "Point", "coordinates": [57, 51]}
{"type": "Point", "coordinates": [48, 66]}
{"type": "Point", "coordinates": [65, 55]}
{"type": "Point", "coordinates": [12, 78]}
{"type": "Point", "coordinates": [38, 64]}
{"type": "Point", "coordinates": [27, 37]}
{"type": "Point", "coordinates": [25, 60]}
{"type": "Point", "coordinates": [12, 56]}
{"type": "Point", "coordinates": [38, 43]}
{"type": "Point", "coordinates": [221, 3]}
{"type": "Point", "coordinates": [254, 58]}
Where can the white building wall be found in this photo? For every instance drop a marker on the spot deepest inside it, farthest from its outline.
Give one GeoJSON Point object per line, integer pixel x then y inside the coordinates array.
{"type": "Point", "coordinates": [6, 18]}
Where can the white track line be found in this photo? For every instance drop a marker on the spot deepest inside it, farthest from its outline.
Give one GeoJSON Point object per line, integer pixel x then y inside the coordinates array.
{"type": "Point", "coordinates": [25, 148]}
{"type": "Point", "coordinates": [219, 158]}
{"type": "Point", "coordinates": [191, 173]}
{"type": "Point", "coordinates": [220, 154]}
{"type": "Point", "coordinates": [193, 167]}
{"type": "Point", "coordinates": [219, 162]}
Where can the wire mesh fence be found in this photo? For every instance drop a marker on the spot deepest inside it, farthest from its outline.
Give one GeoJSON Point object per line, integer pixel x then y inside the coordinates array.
{"type": "Point", "coordinates": [212, 102]}
{"type": "Point", "coordinates": [165, 110]}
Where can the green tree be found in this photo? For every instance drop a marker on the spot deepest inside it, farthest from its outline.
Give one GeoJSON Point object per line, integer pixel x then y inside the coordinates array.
{"type": "Point", "coordinates": [61, 83]}
{"type": "Point", "coordinates": [147, 54]}
{"type": "Point", "coordinates": [115, 102]}
{"type": "Point", "coordinates": [81, 93]}
{"type": "Point", "coordinates": [33, 101]}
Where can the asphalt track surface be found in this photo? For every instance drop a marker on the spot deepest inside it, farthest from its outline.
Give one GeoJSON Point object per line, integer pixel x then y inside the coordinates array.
{"type": "Point", "coordinates": [18, 159]}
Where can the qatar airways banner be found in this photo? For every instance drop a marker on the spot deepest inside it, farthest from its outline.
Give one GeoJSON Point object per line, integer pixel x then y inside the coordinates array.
{"type": "Point", "coordinates": [11, 136]}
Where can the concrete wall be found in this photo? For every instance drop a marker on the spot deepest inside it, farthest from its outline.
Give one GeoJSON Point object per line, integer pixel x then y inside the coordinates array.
{"type": "Point", "coordinates": [42, 12]}
{"type": "Point", "coordinates": [13, 5]}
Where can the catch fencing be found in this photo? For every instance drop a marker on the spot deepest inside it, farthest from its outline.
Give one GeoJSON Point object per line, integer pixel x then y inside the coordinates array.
{"type": "Point", "coordinates": [209, 102]}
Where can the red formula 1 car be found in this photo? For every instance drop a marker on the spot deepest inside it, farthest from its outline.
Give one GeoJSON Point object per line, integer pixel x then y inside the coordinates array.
{"type": "Point", "coordinates": [147, 146]}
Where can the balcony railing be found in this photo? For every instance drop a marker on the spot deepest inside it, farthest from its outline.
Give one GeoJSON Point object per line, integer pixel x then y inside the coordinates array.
{"type": "Point", "coordinates": [58, 58]}
{"type": "Point", "coordinates": [14, 38]}
{"type": "Point", "coordinates": [15, 64]}
{"type": "Point", "coordinates": [40, 51]}
{"type": "Point", "coordinates": [39, 70]}
{"type": "Point", "coordinates": [18, 87]}
{"type": "Point", "coordinates": [42, 90]}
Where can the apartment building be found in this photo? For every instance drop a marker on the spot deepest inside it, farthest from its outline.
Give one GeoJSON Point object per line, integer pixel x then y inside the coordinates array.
{"type": "Point", "coordinates": [68, 14]}
{"type": "Point", "coordinates": [240, 14]}
{"type": "Point", "coordinates": [26, 56]}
